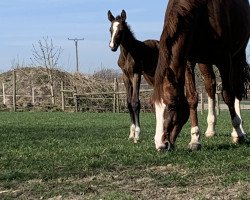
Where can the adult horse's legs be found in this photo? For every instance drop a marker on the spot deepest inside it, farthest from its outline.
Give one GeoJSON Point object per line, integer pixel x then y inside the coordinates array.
{"type": "Point", "coordinates": [192, 98]}
{"type": "Point", "coordinates": [210, 86]}
{"type": "Point", "coordinates": [238, 64]}
{"type": "Point", "coordinates": [238, 131]}
{"type": "Point", "coordinates": [229, 98]}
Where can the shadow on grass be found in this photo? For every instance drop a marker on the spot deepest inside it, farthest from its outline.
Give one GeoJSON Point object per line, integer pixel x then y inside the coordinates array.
{"type": "Point", "coordinates": [228, 146]}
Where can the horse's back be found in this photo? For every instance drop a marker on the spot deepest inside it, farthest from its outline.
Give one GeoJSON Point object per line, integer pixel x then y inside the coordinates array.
{"type": "Point", "coordinates": [154, 44]}
{"type": "Point", "coordinates": [230, 20]}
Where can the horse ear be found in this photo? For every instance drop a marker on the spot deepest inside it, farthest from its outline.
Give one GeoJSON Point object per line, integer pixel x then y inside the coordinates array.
{"type": "Point", "coordinates": [123, 15]}
{"type": "Point", "coordinates": [110, 16]}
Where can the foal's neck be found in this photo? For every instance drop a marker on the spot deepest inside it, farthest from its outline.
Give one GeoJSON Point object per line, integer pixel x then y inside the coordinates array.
{"type": "Point", "coordinates": [129, 42]}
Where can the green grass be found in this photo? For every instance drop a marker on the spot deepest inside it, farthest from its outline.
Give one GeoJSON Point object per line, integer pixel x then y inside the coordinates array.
{"type": "Point", "coordinates": [50, 154]}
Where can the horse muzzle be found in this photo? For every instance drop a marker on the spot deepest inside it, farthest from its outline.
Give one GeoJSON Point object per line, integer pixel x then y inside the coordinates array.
{"type": "Point", "coordinates": [114, 48]}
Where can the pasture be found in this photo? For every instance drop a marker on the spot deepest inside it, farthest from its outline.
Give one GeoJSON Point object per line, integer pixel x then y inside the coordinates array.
{"type": "Point", "coordinates": [88, 156]}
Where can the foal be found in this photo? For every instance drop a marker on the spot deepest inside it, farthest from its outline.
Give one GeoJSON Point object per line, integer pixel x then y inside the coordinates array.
{"type": "Point", "coordinates": [136, 58]}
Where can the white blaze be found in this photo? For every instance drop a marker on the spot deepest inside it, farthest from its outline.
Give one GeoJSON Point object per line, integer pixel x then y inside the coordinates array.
{"type": "Point", "coordinates": [159, 111]}
{"type": "Point", "coordinates": [115, 28]}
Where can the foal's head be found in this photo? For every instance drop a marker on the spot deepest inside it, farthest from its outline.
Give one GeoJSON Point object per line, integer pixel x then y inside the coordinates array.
{"type": "Point", "coordinates": [117, 29]}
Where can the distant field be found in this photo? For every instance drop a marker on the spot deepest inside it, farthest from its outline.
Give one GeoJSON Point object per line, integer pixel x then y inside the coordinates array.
{"type": "Point", "coordinates": [88, 156]}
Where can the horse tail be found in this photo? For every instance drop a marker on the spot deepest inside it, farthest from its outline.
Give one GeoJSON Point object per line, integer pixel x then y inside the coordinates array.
{"type": "Point", "coordinates": [240, 74]}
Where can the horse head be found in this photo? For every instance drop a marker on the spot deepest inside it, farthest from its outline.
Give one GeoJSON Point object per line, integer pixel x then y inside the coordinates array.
{"type": "Point", "coordinates": [117, 29]}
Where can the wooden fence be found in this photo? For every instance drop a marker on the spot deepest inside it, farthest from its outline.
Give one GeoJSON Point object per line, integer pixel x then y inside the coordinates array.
{"type": "Point", "coordinates": [117, 100]}
{"type": "Point", "coordinates": [111, 101]}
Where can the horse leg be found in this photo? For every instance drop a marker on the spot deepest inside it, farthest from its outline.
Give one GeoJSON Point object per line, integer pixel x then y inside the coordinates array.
{"type": "Point", "coordinates": [238, 132]}
{"type": "Point", "coordinates": [210, 86]}
{"type": "Point", "coordinates": [229, 98]}
{"type": "Point", "coordinates": [238, 62]}
{"type": "Point", "coordinates": [192, 98]}
{"type": "Point", "coordinates": [136, 106]}
{"type": "Point", "coordinates": [129, 90]}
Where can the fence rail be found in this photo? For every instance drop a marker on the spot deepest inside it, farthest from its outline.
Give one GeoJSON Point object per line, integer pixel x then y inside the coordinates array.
{"type": "Point", "coordinates": [116, 101]}
{"type": "Point", "coordinates": [112, 101]}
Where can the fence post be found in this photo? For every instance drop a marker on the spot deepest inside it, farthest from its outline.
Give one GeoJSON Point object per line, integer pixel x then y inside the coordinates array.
{"type": "Point", "coordinates": [75, 99]}
{"type": "Point", "coordinates": [117, 97]}
{"type": "Point", "coordinates": [14, 90]}
{"type": "Point", "coordinates": [33, 95]}
{"type": "Point", "coordinates": [115, 101]}
{"type": "Point", "coordinates": [217, 104]}
{"type": "Point", "coordinates": [4, 97]}
{"type": "Point", "coordinates": [62, 95]}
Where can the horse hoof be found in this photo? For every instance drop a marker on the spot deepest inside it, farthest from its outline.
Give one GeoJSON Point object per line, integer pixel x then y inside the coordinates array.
{"type": "Point", "coordinates": [194, 146]}
{"type": "Point", "coordinates": [136, 140]}
{"type": "Point", "coordinates": [161, 147]}
{"type": "Point", "coordinates": [210, 134]}
{"type": "Point", "coordinates": [165, 147]}
{"type": "Point", "coordinates": [239, 140]}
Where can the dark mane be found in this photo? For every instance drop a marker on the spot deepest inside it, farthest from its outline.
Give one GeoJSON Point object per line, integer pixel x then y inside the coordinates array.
{"type": "Point", "coordinates": [118, 18]}
{"type": "Point", "coordinates": [177, 20]}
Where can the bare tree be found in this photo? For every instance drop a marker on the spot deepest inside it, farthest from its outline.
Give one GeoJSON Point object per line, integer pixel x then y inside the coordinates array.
{"type": "Point", "coordinates": [47, 55]}
{"type": "Point", "coordinates": [107, 74]}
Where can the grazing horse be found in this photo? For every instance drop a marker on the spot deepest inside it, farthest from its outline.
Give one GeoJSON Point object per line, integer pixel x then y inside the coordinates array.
{"type": "Point", "coordinates": [206, 32]}
{"type": "Point", "coordinates": [136, 58]}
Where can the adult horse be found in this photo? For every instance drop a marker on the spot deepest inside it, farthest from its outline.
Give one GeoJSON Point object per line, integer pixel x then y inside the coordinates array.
{"type": "Point", "coordinates": [136, 58]}
{"type": "Point", "coordinates": [199, 31]}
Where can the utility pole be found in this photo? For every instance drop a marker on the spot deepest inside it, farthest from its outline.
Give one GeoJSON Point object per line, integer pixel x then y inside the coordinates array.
{"type": "Point", "coordinates": [76, 44]}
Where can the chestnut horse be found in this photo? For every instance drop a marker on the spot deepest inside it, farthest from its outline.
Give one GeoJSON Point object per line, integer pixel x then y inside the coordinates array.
{"type": "Point", "coordinates": [205, 32]}
{"type": "Point", "coordinates": [136, 58]}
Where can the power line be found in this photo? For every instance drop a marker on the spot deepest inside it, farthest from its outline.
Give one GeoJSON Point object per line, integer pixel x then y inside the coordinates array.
{"type": "Point", "coordinates": [76, 45]}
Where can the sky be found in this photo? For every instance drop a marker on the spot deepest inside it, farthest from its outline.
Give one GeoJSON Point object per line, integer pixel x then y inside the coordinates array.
{"type": "Point", "coordinates": [25, 22]}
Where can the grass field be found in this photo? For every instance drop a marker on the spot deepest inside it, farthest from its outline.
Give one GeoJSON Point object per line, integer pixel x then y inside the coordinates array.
{"type": "Point", "coordinates": [88, 156]}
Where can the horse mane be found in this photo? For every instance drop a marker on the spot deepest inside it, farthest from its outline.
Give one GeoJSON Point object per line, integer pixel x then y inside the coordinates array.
{"type": "Point", "coordinates": [128, 28]}
{"type": "Point", "coordinates": [178, 18]}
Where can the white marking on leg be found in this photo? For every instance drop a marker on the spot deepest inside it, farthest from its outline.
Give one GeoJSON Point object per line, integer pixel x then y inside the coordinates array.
{"type": "Point", "coordinates": [195, 135]}
{"type": "Point", "coordinates": [159, 111]}
{"type": "Point", "coordinates": [137, 134]}
{"type": "Point", "coordinates": [211, 118]}
{"type": "Point", "coordinates": [236, 133]}
{"type": "Point", "coordinates": [115, 28]}
{"type": "Point", "coordinates": [239, 129]}
{"type": "Point", "coordinates": [132, 132]}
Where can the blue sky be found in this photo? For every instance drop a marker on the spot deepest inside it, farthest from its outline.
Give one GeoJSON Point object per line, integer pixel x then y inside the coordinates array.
{"type": "Point", "coordinates": [24, 22]}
